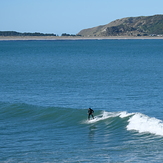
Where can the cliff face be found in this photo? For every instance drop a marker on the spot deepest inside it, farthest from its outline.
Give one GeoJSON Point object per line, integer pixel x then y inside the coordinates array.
{"type": "Point", "coordinates": [131, 26]}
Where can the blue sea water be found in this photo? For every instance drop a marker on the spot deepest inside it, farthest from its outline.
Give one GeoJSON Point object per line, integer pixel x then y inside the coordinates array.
{"type": "Point", "coordinates": [46, 88]}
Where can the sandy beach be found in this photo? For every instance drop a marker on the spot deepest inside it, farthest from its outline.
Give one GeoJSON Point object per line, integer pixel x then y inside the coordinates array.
{"type": "Point", "coordinates": [3, 38]}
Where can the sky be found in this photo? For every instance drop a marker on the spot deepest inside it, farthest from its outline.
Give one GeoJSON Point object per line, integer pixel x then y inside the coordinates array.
{"type": "Point", "coordinates": [70, 16]}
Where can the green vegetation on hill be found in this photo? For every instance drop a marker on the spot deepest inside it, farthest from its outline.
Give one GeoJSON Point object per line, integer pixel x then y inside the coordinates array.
{"type": "Point", "coordinates": [131, 26]}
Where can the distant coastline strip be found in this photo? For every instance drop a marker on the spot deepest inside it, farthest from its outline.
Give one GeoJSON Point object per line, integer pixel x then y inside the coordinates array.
{"type": "Point", "coordinates": [3, 38]}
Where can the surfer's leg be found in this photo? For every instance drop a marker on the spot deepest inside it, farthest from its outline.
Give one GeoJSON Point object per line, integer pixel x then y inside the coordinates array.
{"type": "Point", "coordinates": [88, 116]}
{"type": "Point", "coordinates": [92, 116]}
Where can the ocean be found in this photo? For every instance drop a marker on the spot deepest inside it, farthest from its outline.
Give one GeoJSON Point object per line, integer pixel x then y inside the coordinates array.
{"type": "Point", "coordinates": [46, 88]}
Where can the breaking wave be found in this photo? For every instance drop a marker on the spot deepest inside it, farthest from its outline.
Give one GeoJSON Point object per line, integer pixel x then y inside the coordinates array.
{"type": "Point", "coordinates": [137, 122]}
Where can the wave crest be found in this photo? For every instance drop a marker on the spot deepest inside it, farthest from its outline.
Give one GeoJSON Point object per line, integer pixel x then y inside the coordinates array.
{"type": "Point", "coordinates": [70, 117]}
{"type": "Point", "coordinates": [135, 121]}
{"type": "Point", "coordinates": [142, 123]}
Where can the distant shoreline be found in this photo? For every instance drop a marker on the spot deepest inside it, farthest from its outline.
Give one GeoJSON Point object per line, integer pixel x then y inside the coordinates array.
{"type": "Point", "coordinates": [8, 38]}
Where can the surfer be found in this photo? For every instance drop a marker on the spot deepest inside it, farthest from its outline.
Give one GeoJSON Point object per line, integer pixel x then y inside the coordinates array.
{"type": "Point", "coordinates": [90, 113]}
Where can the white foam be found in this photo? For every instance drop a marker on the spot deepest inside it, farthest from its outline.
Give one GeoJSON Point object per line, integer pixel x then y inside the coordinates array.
{"type": "Point", "coordinates": [124, 114]}
{"type": "Point", "coordinates": [100, 117]}
{"type": "Point", "coordinates": [137, 121]}
{"type": "Point", "coordinates": [104, 115]}
{"type": "Point", "coordinates": [143, 123]}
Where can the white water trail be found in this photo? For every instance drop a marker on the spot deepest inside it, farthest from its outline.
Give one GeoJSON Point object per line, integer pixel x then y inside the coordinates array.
{"type": "Point", "coordinates": [105, 115]}
{"type": "Point", "coordinates": [137, 121]}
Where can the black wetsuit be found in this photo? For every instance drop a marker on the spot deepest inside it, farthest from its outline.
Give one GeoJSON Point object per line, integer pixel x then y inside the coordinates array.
{"type": "Point", "coordinates": [90, 113]}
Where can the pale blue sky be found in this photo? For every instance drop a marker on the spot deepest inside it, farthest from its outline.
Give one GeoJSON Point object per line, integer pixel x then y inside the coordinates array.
{"type": "Point", "coordinates": [70, 16]}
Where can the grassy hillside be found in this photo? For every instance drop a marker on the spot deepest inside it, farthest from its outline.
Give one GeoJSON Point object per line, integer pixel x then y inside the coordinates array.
{"type": "Point", "coordinates": [131, 26]}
